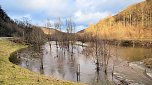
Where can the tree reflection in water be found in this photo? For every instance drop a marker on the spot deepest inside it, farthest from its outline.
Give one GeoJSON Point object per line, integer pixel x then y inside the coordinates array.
{"type": "Point", "coordinates": [58, 62]}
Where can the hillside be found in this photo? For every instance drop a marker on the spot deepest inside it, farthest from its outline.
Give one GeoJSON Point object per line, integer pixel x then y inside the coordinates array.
{"type": "Point", "coordinates": [133, 23]}
{"type": "Point", "coordinates": [53, 34]}
{"type": "Point", "coordinates": [50, 31]}
{"type": "Point", "coordinates": [27, 32]}
{"type": "Point", "coordinates": [8, 27]}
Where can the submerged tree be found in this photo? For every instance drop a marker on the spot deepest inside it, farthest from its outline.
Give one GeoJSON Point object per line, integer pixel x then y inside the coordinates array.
{"type": "Point", "coordinates": [48, 25]}
{"type": "Point", "coordinates": [58, 25]}
{"type": "Point", "coordinates": [70, 27]}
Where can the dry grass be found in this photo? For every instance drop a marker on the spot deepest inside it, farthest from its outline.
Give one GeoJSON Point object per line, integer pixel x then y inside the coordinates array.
{"type": "Point", "coordinates": [120, 32]}
{"type": "Point", "coordinates": [148, 62]}
{"type": "Point", "coordinates": [51, 31]}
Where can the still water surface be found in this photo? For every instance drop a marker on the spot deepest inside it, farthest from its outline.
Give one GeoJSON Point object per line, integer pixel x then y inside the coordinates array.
{"type": "Point", "coordinates": [62, 64]}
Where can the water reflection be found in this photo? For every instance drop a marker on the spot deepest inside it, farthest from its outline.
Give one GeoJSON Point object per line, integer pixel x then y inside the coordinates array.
{"type": "Point", "coordinates": [62, 64]}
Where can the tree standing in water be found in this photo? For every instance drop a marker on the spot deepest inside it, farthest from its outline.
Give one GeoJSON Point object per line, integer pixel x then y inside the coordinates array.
{"type": "Point", "coordinates": [58, 25]}
{"type": "Point", "coordinates": [48, 25]}
{"type": "Point", "coordinates": [70, 27]}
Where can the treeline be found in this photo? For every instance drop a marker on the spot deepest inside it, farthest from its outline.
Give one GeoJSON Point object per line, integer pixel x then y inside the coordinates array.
{"type": "Point", "coordinates": [27, 32]}
{"type": "Point", "coordinates": [139, 15]}
{"type": "Point", "coordinates": [7, 26]}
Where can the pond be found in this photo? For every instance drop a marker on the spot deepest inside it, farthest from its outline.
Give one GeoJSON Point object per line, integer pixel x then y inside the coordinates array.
{"type": "Point", "coordinates": [64, 64]}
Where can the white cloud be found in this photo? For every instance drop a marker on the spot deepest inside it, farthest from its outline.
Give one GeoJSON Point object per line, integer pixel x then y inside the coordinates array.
{"type": "Point", "coordinates": [88, 18]}
{"type": "Point", "coordinates": [80, 27]}
{"type": "Point", "coordinates": [103, 5]}
{"type": "Point", "coordinates": [84, 12]}
{"type": "Point", "coordinates": [91, 11]}
{"type": "Point", "coordinates": [89, 5]}
{"type": "Point", "coordinates": [20, 17]}
{"type": "Point", "coordinates": [53, 8]}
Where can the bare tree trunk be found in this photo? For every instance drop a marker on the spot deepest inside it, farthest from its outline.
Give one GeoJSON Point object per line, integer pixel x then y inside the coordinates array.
{"type": "Point", "coordinates": [113, 69]}
{"type": "Point", "coordinates": [23, 36]}
{"type": "Point", "coordinates": [41, 68]}
{"type": "Point", "coordinates": [142, 17]}
{"type": "Point", "coordinates": [78, 72]}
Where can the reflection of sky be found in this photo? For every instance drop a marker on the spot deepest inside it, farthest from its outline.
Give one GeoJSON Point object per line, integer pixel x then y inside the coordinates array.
{"type": "Point", "coordinates": [83, 12]}
{"type": "Point", "coordinates": [64, 67]}
{"type": "Point", "coordinates": [30, 63]}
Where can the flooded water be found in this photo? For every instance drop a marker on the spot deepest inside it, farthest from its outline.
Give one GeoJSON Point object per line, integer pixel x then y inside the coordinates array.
{"type": "Point", "coordinates": [63, 63]}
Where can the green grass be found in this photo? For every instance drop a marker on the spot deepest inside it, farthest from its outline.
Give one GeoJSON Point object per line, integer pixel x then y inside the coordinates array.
{"type": "Point", "coordinates": [11, 74]}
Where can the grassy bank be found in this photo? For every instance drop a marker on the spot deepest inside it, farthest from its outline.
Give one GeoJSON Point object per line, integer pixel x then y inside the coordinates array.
{"type": "Point", "coordinates": [11, 74]}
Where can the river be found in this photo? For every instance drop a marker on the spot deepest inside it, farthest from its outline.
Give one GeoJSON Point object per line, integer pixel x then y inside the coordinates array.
{"type": "Point", "coordinates": [63, 64]}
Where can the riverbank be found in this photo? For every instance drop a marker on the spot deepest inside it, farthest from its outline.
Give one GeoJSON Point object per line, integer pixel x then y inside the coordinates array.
{"type": "Point", "coordinates": [15, 75]}
{"type": "Point", "coordinates": [133, 73]}
{"type": "Point", "coordinates": [148, 62]}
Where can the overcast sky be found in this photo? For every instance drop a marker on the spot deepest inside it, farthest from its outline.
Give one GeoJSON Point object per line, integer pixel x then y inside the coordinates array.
{"type": "Point", "coordinates": [83, 12]}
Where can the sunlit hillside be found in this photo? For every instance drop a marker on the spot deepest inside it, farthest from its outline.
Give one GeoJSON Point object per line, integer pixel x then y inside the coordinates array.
{"type": "Point", "coordinates": [133, 23]}
{"type": "Point", "coordinates": [51, 31]}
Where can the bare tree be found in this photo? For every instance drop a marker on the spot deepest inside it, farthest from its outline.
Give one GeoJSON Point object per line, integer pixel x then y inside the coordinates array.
{"type": "Point", "coordinates": [70, 27]}
{"type": "Point", "coordinates": [48, 25]}
{"type": "Point", "coordinates": [57, 25]}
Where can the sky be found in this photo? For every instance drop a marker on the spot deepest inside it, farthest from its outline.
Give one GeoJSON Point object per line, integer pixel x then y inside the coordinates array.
{"type": "Point", "coordinates": [82, 12]}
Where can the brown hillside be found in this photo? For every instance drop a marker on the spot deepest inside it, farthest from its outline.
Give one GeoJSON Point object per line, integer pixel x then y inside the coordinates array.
{"type": "Point", "coordinates": [133, 23]}
{"type": "Point", "coordinates": [51, 31]}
